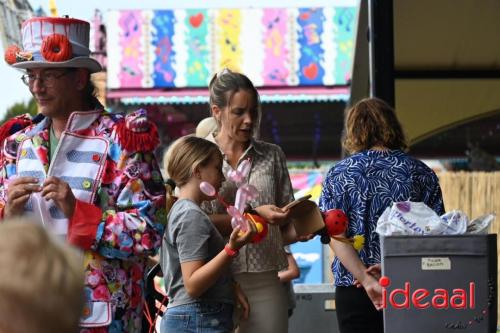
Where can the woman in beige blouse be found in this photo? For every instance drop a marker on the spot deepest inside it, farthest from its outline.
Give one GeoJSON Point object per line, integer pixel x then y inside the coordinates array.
{"type": "Point", "coordinates": [235, 105]}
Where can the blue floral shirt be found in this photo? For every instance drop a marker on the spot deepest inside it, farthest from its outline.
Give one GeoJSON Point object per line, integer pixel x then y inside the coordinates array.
{"type": "Point", "coordinates": [364, 185]}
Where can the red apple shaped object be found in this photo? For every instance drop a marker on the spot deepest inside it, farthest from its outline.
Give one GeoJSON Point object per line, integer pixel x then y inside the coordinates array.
{"type": "Point", "coordinates": [335, 221]}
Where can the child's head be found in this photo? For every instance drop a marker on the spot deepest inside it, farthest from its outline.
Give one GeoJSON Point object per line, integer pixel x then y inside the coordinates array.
{"type": "Point", "coordinates": [190, 156]}
{"type": "Point", "coordinates": [205, 127]}
{"type": "Point", "coordinates": [41, 281]}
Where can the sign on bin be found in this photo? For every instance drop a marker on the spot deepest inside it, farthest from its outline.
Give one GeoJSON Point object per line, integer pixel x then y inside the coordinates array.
{"type": "Point", "coordinates": [439, 283]}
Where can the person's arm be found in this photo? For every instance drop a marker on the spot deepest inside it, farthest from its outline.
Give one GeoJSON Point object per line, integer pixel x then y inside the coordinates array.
{"type": "Point", "coordinates": [350, 260]}
{"type": "Point", "coordinates": [273, 214]}
{"type": "Point", "coordinates": [292, 272]}
{"type": "Point", "coordinates": [8, 154]}
{"type": "Point", "coordinates": [7, 170]}
{"type": "Point", "coordinates": [242, 300]}
{"type": "Point", "coordinates": [199, 276]}
{"type": "Point", "coordinates": [132, 226]}
{"type": "Point", "coordinates": [334, 196]}
{"type": "Point", "coordinates": [126, 217]}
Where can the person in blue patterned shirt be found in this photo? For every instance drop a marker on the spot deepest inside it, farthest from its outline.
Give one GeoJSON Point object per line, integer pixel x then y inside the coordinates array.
{"type": "Point", "coordinates": [377, 173]}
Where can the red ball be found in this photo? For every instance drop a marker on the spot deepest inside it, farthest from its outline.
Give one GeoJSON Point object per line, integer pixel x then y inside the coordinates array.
{"type": "Point", "coordinates": [10, 54]}
{"type": "Point", "coordinates": [335, 221]}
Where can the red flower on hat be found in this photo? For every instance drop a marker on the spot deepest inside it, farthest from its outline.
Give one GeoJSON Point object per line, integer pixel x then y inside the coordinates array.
{"type": "Point", "coordinates": [10, 54]}
{"type": "Point", "coordinates": [56, 48]}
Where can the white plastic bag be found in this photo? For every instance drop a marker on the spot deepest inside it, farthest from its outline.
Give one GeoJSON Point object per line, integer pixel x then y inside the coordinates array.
{"type": "Point", "coordinates": [454, 223]}
{"type": "Point", "coordinates": [409, 218]}
{"type": "Point", "coordinates": [480, 225]}
{"type": "Point", "coordinates": [416, 218]}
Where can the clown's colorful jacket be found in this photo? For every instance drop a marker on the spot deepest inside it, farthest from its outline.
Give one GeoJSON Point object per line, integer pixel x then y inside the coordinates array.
{"type": "Point", "coordinates": [107, 159]}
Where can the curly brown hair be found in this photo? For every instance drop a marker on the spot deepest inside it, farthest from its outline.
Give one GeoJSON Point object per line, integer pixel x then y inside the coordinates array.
{"type": "Point", "coordinates": [372, 122]}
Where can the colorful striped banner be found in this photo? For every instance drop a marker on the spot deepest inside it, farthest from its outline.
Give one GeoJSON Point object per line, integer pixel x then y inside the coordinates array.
{"type": "Point", "coordinates": [197, 40]}
{"type": "Point", "coordinates": [227, 33]}
{"type": "Point", "coordinates": [131, 62]}
{"type": "Point", "coordinates": [276, 62]}
{"type": "Point", "coordinates": [163, 25]}
{"type": "Point", "coordinates": [274, 47]}
{"type": "Point", "coordinates": [343, 20]}
{"type": "Point", "coordinates": [310, 28]}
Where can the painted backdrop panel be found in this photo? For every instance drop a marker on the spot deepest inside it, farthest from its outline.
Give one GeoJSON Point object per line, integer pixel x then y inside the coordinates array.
{"type": "Point", "coordinates": [276, 47]}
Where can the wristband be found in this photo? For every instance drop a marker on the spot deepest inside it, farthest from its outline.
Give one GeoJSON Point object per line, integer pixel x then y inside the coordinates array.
{"type": "Point", "coordinates": [230, 252]}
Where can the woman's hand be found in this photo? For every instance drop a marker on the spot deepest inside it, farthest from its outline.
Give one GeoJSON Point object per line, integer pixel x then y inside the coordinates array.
{"type": "Point", "coordinates": [239, 238]}
{"type": "Point", "coordinates": [272, 214]}
{"type": "Point", "coordinates": [374, 291]}
{"type": "Point", "coordinates": [374, 270]}
{"type": "Point", "coordinates": [350, 259]}
{"type": "Point", "coordinates": [242, 302]}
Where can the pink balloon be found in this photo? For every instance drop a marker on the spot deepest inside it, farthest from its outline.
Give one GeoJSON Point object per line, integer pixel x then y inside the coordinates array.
{"type": "Point", "coordinates": [241, 222]}
{"type": "Point", "coordinates": [239, 175]}
{"type": "Point", "coordinates": [245, 192]}
{"type": "Point", "coordinates": [244, 168]}
{"type": "Point", "coordinates": [251, 191]}
{"type": "Point", "coordinates": [207, 189]}
{"type": "Point", "coordinates": [235, 176]}
{"type": "Point", "coordinates": [237, 218]}
{"type": "Point", "coordinates": [233, 212]}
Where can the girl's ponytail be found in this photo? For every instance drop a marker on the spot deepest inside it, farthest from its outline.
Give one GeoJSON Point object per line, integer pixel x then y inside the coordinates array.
{"type": "Point", "coordinates": [170, 197]}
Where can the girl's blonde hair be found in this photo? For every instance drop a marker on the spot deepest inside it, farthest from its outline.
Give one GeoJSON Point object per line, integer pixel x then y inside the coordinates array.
{"type": "Point", "coordinates": [183, 157]}
{"type": "Point", "coordinates": [41, 280]}
{"type": "Point", "coordinates": [372, 122]}
{"type": "Point", "coordinates": [186, 155]}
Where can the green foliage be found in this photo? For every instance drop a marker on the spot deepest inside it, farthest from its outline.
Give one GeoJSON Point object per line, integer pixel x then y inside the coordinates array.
{"type": "Point", "coordinates": [20, 108]}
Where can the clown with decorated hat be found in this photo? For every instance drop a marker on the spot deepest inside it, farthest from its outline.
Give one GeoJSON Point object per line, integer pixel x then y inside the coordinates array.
{"type": "Point", "coordinates": [87, 175]}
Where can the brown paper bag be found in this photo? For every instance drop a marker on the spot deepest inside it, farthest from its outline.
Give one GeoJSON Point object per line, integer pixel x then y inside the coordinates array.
{"type": "Point", "coordinates": [306, 216]}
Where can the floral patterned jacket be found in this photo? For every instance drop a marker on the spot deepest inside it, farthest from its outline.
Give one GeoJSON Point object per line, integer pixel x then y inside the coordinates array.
{"type": "Point", "coordinates": [108, 162]}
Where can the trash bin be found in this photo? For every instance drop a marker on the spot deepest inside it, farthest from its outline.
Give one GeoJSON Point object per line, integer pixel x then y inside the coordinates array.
{"type": "Point", "coordinates": [439, 283]}
{"type": "Point", "coordinates": [315, 309]}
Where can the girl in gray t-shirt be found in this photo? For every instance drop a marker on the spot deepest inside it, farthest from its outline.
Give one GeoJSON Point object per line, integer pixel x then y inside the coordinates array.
{"type": "Point", "coordinates": [194, 258]}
